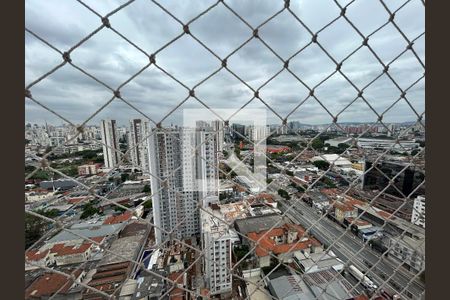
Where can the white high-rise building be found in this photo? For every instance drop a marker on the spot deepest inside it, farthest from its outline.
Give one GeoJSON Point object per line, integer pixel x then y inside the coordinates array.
{"type": "Point", "coordinates": [110, 142]}
{"type": "Point", "coordinates": [418, 213]}
{"type": "Point", "coordinates": [218, 128]}
{"type": "Point", "coordinates": [186, 162]}
{"type": "Point", "coordinates": [38, 136]}
{"type": "Point", "coordinates": [260, 133]}
{"type": "Point", "coordinates": [217, 241]}
{"type": "Point", "coordinates": [137, 143]}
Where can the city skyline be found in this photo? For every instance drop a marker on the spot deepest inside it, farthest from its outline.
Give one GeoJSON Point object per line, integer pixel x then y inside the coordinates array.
{"type": "Point", "coordinates": [225, 149]}
{"type": "Point", "coordinates": [249, 123]}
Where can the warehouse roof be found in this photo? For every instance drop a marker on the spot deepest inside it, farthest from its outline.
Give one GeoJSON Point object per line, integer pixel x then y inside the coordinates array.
{"type": "Point", "coordinates": [258, 223]}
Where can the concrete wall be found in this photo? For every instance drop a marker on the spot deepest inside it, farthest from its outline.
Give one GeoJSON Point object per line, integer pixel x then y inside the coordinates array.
{"type": "Point", "coordinates": [251, 273]}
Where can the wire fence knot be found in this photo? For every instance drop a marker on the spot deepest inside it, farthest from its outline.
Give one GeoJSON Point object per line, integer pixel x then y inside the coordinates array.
{"type": "Point", "coordinates": [66, 57]}
{"type": "Point", "coordinates": [287, 3]}
{"type": "Point", "coordinates": [105, 22]}
{"type": "Point", "coordinates": [152, 58]}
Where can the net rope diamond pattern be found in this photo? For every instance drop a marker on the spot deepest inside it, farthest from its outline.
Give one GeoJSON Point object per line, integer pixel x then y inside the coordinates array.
{"type": "Point", "coordinates": [404, 283]}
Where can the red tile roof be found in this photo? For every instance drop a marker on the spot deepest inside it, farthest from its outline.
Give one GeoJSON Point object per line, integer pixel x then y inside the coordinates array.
{"type": "Point", "coordinates": [118, 219]}
{"type": "Point", "coordinates": [62, 249]}
{"type": "Point", "coordinates": [358, 222]}
{"type": "Point", "coordinates": [352, 201]}
{"type": "Point", "coordinates": [266, 244]}
{"type": "Point", "coordinates": [344, 207]}
{"type": "Point", "coordinates": [177, 293]}
{"type": "Point", "coordinates": [204, 292]}
{"type": "Point", "coordinates": [385, 214]}
{"type": "Point", "coordinates": [48, 284]}
{"type": "Point", "coordinates": [329, 192]}
{"type": "Point", "coordinates": [75, 200]}
{"type": "Point", "coordinates": [35, 255]}
{"type": "Point", "coordinates": [265, 196]}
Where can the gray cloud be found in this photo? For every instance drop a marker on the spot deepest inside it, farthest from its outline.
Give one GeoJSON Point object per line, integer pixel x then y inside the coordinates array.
{"type": "Point", "coordinates": [113, 60]}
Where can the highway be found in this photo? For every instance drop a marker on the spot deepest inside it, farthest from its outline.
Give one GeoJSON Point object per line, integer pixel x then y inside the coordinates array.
{"type": "Point", "coordinates": [327, 232]}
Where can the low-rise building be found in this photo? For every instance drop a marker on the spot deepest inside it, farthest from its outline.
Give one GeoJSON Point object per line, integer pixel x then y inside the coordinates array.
{"type": "Point", "coordinates": [339, 140]}
{"type": "Point", "coordinates": [73, 253]}
{"type": "Point", "coordinates": [89, 169]}
{"type": "Point", "coordinates": [248, 183]}
{"type": "Point", "coordinates": [318, 285]}
{"type": "Point", "coordinates": [335, 159]}
{"type": "Point", "coordinates": [50, 283]}
{"type": "Point", "coordinates": [283, 241]}
{"type": "Point", "coordinates": [418, 213]}
{"type": "Point", "coordinates": [59, 184]}
{"type": "Point", "coordinates": [357, 224]}
{"type": "Point", "coordinates": [38, 195]}
{"type": "Point", "coordinates": [408, 251]}
{"type": "Point", "coordinates": [107, 278]}
{"type": "Point", "coordinates": [344, 210]}
{"type": "Point", "coordinates": [37, 258]}
{"type": "Point", "coordinates": [87, 230]}
{"type": "Point", "coordinates": [313, 262]}
{"type": "Point", "coordinates": [117, 219]}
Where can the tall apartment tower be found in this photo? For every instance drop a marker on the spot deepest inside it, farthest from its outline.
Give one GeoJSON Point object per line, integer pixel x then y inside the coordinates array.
{"type": "Point", "coordinates": [110, 142]}
{"type": "Point", "coordinates": [218, 128]}
{"type": "Point", "coordinates": [418, 213]}
{"type": "Point", "coordinates": [138, 145]}
{"type": "Point", "coordinates": [217, 241]}
{"type": "Point", "coordinates": [186, 164]}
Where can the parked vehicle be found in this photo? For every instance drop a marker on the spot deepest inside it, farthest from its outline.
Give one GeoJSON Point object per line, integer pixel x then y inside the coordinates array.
{"type": "Point", "coordinates": [365, 281]}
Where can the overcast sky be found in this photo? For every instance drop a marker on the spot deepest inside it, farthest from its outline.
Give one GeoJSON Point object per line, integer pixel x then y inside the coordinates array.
{"type": "Point", "coordinates": [111, 59]}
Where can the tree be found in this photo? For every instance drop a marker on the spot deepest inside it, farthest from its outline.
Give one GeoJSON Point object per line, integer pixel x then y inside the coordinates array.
{"type": "Point", "coordinates": [89, 210]}
{"type": "Point", "coordinates": [328, 182]}
{"type": "Point", "coordinates": [34, 229]}
{"type": "Point", "coordinates": [119, 209]}
{"type": "Point", "coordinates": [289, 173]}
{"type": "Point", "coordinates": [237, 151]}
{"type": "Point", "coordinates": [71, 171]}
{"type": "Point", "coordinates": [317, 144]}
{"type": "Point", "coordinates": [50, 213]}
{"type": "Point", "coordinates": [414, 152]}
{"type": "Point", "coordinates": [321, 164]}
{"type": "Point", "coordinates": [298, 187]}
{"type": "Point", "coordinates": [240, 251]}
{"type": "Point", "coordinates": [88, 154]}
{"type": "Point", "coordinates": [146, 189]}
{"type": "Point", "coordinates": [41, 174]}
{"type": "Point", "coordinates": [148, 205]}
{"type": "Point", "coordinates": [284, 194]}
{"type": "Point", "coordinates": [124, 177]}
